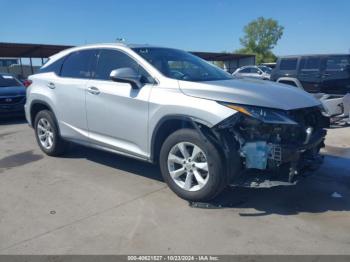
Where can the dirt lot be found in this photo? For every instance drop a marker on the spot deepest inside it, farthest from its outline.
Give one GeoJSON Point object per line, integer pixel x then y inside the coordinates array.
{"type": "Point", "coordinates": [92, 202]}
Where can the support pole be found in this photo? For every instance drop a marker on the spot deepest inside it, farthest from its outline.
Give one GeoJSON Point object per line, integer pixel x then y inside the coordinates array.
{"type": "Point", "coordinates": [20, 62]}
{"type": "Point", "coordinates": [31, 65]}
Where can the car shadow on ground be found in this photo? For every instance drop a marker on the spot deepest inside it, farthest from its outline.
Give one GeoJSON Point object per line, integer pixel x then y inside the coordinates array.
{"type": "Point", "coordinates": [319, 192]}
{"type": "Point", "coordinates": [130, 165]}
{"type": "Point", "coordinates": [311, 195]}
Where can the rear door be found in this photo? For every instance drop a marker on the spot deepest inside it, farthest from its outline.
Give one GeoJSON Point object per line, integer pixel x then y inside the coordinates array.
{"type": "Point", "coordinates": [117, 114]}
{"type": "Point", "coordinates": [69, 94]}
{"type": "Point", "coordinates": [310, 73]}
{"type": "Point", "coordinates": [336, 76]}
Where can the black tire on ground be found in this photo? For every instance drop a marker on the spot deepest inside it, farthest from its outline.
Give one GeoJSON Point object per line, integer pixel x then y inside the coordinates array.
{"type": "Point", "coordinates": [59, 145]}
{"type": "Point", "coordinates": [217, 178]}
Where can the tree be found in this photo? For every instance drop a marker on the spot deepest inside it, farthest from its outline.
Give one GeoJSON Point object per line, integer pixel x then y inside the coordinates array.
{"type": "Point", "coordinates": [261, 36]}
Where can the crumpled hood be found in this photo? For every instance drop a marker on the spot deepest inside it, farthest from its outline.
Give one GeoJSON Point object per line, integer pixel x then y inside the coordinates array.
{"type": "Point", "coordinates": [13, 91]}
{"type": "Point", "coordinates": [253, 92]}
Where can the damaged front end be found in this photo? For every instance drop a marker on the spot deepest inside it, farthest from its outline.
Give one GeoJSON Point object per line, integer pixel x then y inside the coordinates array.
{"type": "Point", "coordinates": [281, 142]}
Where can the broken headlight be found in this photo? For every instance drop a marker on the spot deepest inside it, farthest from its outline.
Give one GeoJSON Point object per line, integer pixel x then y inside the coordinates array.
{"type": "Point", "coordinates": [266, 115]}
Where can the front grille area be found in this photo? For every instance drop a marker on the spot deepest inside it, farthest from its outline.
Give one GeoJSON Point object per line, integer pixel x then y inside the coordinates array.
{"type": "Point", "coordinates": [309, 117]}
{"type": "Point", "coordinates": [12, 100]}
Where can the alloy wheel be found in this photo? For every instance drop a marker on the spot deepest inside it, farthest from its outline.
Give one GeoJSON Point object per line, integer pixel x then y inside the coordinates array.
{"type": "Point", "coordinates": [45, 133]}
{"type": "Point", "coordinates": [188, 166]}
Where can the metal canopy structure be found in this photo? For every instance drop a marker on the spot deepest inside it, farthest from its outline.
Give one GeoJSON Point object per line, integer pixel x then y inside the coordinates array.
{"type": "Point", "coordinates": [29, 50]}
{"type": "Point", "coordinates": [44, 51]}
{"type": "Point", "coordinates": [229, 61]}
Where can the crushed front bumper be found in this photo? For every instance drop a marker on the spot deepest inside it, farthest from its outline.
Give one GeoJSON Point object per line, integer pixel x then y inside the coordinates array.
{"type": "Point", "coordinates": [283, 150]}
{"type": "Point", "coordinates": [311, 149]}
{"type": "Point", "coordinates": [264, 155]}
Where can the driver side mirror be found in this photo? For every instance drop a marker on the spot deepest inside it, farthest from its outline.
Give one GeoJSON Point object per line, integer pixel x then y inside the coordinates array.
{"type": "Point", "coordinates": [126, 75]}
{"type": "Point", "coordinates": [259, 72]}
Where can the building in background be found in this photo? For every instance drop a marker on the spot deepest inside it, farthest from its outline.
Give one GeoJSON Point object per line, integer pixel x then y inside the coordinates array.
{"type": "Point", "coordinates": [8, 61]}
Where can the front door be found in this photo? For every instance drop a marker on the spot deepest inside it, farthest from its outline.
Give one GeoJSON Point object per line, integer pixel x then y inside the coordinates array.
{"type": "Point", "coordinates": [117, 114]}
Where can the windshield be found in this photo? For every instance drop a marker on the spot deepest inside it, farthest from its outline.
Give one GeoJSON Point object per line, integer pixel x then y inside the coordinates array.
{"type": "Point", "coordinates": [181, 65]}
{"type": "Point", "coordinates": [265, 69]}
{"type": "Point", "coordinates": [8, 80]}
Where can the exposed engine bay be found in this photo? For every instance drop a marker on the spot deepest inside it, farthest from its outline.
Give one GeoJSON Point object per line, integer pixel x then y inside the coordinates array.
{"type": "Point", "coordinates": [283, 147]}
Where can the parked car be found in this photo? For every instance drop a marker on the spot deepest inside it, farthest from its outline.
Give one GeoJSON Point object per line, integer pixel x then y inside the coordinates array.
{"type": "Point", "coordinates": [329, 74]}
{"type": "Point", "coordinates": [326, 76]}
{"type": "Point", "coordinates": [260, 72]}
{"type": "Point", "coordinates": [166, 106]}
{"type": "Point", "coordinates": [12, 96]}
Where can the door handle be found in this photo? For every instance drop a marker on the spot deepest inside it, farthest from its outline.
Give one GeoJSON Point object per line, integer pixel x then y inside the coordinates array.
{"type": "Point", "coordinates": [51, 85]}
{"type": "Point", "coordinates": [93, 90]}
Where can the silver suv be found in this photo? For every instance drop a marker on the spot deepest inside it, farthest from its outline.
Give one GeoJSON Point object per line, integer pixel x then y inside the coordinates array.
{"type": "Point", "coordinates": [166, 106]}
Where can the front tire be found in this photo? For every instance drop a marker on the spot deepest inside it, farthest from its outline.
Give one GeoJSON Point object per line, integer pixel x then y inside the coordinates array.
{"type": "Point", "coordinates": [192, 166]}
{"type": "Point", "coordinates": [47, 134]}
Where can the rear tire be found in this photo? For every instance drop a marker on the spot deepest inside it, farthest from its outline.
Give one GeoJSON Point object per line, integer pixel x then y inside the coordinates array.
{"type": "Point", "coordinates": [47, 134]}
{"type": "Point", "coordinates": [198, 176]}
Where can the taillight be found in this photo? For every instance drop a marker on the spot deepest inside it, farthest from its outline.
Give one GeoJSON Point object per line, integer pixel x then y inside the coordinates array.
{"type": "Point", "coordinates": [27, 82]}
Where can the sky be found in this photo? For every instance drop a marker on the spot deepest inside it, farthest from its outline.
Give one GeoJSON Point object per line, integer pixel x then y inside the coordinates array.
{"type": "Point", "coordinates": [311, 26]}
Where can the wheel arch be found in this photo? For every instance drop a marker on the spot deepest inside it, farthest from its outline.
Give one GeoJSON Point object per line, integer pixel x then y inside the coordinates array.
{"type": "Point", "coordinates": [38, 105]}
{"type": "Point", "coordinates": [169, 124]}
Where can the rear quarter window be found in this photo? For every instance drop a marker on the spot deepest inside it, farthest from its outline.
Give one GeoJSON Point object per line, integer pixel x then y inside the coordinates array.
{"type": "Point", "coordinates": [288, 63]}
{"type": "Point", "coordinates": [54, 67]}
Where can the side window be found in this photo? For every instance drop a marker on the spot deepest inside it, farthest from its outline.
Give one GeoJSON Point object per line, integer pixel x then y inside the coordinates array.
{"type": "Point", "coordinates": [109, 60]}
{"type": "Point", "coordinates": [55, 67]}
{"type": "Point", "coordinates": [254, 70]}
{"type": "Point", "coordinates": [337, 63]}
{"type": "Point", "coordinates": [310, 64]}
{"type": "Point", "coordinates": [245, 70]}
{"type": "Point", "coordinates": [288, 64]}
{"type": "Point", "coordinates": [77, 64]}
